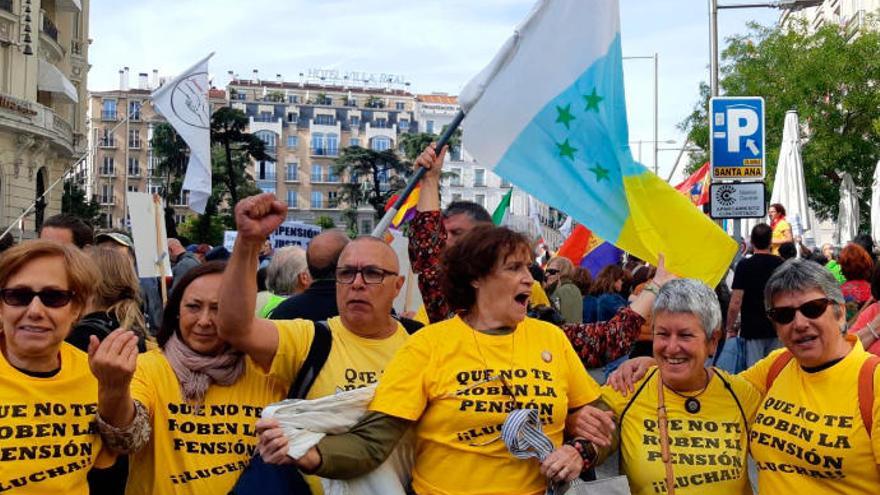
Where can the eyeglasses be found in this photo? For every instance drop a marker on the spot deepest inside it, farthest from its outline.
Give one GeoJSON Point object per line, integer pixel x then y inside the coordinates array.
{"type": "Point", "coordinates": [53, 298]}
{"type": "Point", "coordinates": [370, 274]}
{"type": "Point", "coordinates": [551, 271]}
{"type": "Point", "coordinates": [811, 309]}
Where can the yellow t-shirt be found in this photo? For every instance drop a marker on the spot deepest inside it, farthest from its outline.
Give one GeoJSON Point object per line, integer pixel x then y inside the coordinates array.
{"type": "Point", "coordinates": [48, 436]}
{"type": "Point", "coordinates": [708, 449]}
{"type": "Point", "coordinates": [779, 234]}
{"type": "Point", "coordinates": [808, 436]}
{"type": "Point", "coordinates": [538, 297]}
{"type": "Point", "coordinates": [353, 362]}
{"type": "Point", "coordinates": [204, 450]}
{"type": "Point", "coordinates": [439, 377]}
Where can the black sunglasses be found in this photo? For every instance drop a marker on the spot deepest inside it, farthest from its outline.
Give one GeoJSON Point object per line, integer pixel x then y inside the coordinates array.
{"type": "Point", "coordinates": [552, 271]}
{"type": "Point", "coordinates": [53, 298]}
{"type": "Point", "coordinates": [811, 309]}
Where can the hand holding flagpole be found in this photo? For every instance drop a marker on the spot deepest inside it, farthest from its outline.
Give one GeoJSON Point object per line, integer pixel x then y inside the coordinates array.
{"type": "Point", "coordinates": [414, 180]}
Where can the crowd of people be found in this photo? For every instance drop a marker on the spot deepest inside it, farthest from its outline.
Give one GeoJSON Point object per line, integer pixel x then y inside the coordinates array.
{"type": "Point", "coordinates": [105, 388]}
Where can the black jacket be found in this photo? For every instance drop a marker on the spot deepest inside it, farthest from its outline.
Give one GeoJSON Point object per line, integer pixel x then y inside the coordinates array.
{"type": "Point", "coordinates": [99, 324]}
{"type": "Point", "coordinates": [317, 303]}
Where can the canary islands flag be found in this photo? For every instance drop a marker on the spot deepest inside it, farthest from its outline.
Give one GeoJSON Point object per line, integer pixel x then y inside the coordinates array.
{"type": "Point", "coordinates": [548, 113]}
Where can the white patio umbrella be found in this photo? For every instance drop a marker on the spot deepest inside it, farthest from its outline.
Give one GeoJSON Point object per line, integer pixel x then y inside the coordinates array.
{"type": "Point", "coordinates": [875, 204]}
{"type": "Point", "coordinates": [789, 187]}
{"type": "Point", "coordinates": [848, 217]}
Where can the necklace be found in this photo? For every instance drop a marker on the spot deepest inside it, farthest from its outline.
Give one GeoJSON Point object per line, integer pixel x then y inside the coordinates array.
{"type": "Point", "coordinates": [691, 403]}
{"type": "Point", "coordinates": [504, 383]}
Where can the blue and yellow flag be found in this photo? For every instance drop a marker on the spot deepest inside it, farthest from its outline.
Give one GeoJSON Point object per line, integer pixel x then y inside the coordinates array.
{"type": "Point", "coordinates": [549, 114]}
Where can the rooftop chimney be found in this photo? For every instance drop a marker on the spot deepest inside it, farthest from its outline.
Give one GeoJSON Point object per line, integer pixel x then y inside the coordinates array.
{"type": "Point", "coordinates": [278, 78]}
{"type": "Point", "coordinates": [143, 80]}
{"type": "Point", "coordinates": [121, 80]}
{"type": "Point", "coordinates": [256, 76]}
{"type": "Point", "coordinates": [155, 80]}
{"type": "Point", "coordinates": [125, 79]}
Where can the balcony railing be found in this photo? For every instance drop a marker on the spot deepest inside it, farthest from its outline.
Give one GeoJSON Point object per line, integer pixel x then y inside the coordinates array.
{"type": "Point", "coordinates": [267, 177]}
{"type": "Point", "coordinates": [107, 171]}
{"type": "Point", "coordinates": [134, 172]}
{"type": "Point", "coordinates": [49, 27]}
{"type": "Point", "coordinates": [134, 144]}
{"type": "Point", "coordinates": [325, 151]}
{"type": "Point", "coordinates": [76, 48]}
{"type": "Point", "coordinates": [325, 178]}
{"type": "Point", "coordinates": [107, 143]}
{"type": "Point", "coordinates": [105, 115]}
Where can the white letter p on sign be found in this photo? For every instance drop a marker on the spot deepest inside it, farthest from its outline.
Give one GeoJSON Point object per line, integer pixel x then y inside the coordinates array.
{"type": "Point", "coordinates": [741, 122]}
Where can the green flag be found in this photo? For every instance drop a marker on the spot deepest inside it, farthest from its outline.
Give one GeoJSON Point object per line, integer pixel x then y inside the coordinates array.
{"type": "Point", "coordinates": [500, 216]}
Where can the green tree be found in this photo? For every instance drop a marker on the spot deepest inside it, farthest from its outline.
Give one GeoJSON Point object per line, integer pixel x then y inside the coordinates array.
{"type": "Point", "coordinates": [830, 78]}
{"type": "Point", "coordinates": [74, 202]}
{"type": "Point", "coordinates": [371, 178]}
{"type": "Point", "coordinates": [325, 222]}
{"type": "Point", "coordinates": [238, 149]}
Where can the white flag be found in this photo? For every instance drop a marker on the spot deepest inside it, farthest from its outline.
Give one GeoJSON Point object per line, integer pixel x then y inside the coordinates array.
{"type": "Point", "coordinates": [184, 104]}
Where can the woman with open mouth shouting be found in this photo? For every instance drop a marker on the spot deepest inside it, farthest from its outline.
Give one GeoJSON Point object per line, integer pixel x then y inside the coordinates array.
{"type": "Point", "coordinates": [818, 427]}
{"type": "Point", "coordinates": [457, 381]}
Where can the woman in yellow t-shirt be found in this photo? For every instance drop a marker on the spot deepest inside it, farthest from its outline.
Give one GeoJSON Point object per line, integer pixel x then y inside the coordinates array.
{"type": "Point", "coordinates": [48, 396]}
{"type": "Point", "coordinates": [187, 417]}
{"type": "Point", "coordinates": [817, 429]}
{"type": "Point", "coordinates": [781, 227]}
{"type": "Point", "coordinates": [707, 412]}
{"type": "Point", "coordinates": [456, 381]}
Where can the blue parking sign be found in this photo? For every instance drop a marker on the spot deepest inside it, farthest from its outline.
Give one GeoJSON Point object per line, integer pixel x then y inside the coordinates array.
{"type": "Point", "coordinates": [736, 126]}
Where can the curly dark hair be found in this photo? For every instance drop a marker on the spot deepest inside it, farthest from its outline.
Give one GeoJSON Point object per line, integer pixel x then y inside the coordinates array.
{"type": "Point", "coordinates": [171, 316]}
{"type": "Point", "coordinates": [474, 257]}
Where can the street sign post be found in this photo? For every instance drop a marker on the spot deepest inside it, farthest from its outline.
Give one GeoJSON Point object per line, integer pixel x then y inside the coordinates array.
{"type": "Point", "coordinates": [736, 125]}
{"type": "Point", "coordinates": [737, 200]}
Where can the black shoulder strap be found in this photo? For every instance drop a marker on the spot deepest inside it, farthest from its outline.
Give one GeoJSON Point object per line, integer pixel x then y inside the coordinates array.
{"type": "Point", "coordinates": [742, 412]}
{"type": "Point", "coordinates": [411, 326]}
{"type": "Point", "coordinates": [318, 353]}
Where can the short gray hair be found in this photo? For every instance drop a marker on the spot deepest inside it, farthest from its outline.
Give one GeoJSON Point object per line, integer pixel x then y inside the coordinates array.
{"type": "Point", "coordinates": [282, 274]}
{"type": "Point", "coordinates": [799, 275]}
{"type": "Point", "coordinates": [687, 295]}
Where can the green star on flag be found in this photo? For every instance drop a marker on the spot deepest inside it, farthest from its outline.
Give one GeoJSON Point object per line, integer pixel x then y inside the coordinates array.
{"type": "Point", "coordinates": [566, 150]}
{"type": "Point", "coordinates": [601, 173]}
{"type": "Point", "coordinates": [565, 117]}
{"type": "Point", "coordinates": [593, 101]}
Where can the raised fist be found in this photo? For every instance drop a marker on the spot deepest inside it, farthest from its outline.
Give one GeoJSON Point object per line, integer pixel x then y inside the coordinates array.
{"type": "Point", "coordinates": [258, 216]}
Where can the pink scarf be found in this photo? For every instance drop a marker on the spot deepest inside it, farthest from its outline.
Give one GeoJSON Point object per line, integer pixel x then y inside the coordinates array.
{"type": "Point", "coordinates": [196, 372]}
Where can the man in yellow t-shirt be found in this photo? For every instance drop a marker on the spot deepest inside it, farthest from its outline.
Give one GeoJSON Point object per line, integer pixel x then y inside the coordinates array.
{"type": "Point", "coordinates": [708, 449]}
{"type": "Point", "coordinates": [364, 337]}
{"type": "Point", "coordinates": [808, 435]}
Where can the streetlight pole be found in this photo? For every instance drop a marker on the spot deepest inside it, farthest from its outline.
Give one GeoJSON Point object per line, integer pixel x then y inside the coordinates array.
{"type": "Point", "coordinates": [792, 5]}
{"type": "Point", "coordinates": [653, 57]}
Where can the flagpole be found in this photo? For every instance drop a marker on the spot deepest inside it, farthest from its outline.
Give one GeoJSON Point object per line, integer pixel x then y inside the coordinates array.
{"type": "Point", "coordinates": [414, 180]}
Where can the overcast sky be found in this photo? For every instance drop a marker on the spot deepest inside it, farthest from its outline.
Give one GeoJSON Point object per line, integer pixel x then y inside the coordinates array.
{"type": "Point", "coordinates": [437, 45]}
